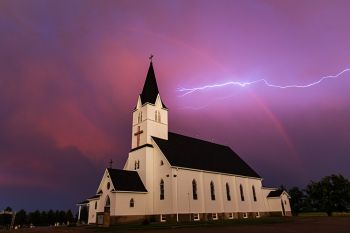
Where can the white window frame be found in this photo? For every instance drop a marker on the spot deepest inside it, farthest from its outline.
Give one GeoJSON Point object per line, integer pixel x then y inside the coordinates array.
{"type": "Point", "coordinates": [245, 215]}
{"type": "Point", "coordinates": [230, 215]}
{"type": "Point", "coordinates": [214, 216]}
{"type": "Point", "coordinates": [196, 217]}
{"type": "Point", "coordinates": [162, 218]}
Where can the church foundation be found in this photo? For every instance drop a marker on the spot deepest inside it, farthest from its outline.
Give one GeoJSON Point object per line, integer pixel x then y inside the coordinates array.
{"type": "Point", "coordinates": [181, 218]}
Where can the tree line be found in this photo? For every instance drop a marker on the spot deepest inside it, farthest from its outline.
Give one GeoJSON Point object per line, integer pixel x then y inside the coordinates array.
{"type": "Point", "coordinates": [38, 218]}
{"type": "Point", "coordinates": [330, 194]}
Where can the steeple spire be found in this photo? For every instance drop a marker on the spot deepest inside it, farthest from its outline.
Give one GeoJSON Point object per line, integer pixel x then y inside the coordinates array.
{"type": "Point", "coordinates": [150, 88]}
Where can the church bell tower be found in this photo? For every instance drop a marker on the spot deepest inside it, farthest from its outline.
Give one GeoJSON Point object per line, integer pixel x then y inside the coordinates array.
{"type": "Point", "coordinates": [150, 117]}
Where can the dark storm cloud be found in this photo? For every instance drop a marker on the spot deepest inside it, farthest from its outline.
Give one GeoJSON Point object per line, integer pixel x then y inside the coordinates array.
{"type": "Point", "coordinates": [34, 172]}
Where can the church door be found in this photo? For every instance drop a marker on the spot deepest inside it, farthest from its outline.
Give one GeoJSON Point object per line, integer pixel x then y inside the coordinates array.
{"type": "Point", "coordinates": [107, 208]}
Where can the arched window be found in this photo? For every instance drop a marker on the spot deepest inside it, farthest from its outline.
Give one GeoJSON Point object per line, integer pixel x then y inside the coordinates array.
{"type": "Point", "coordinates": [132, 203]}
{"type": "Point", "coordinates": [161, 163]}
{"type": "Point", "coordinates": [194, 190]}
{"type": "Point", "coordinates": [212, 190]}
{"type": "Point", "coordinates": [254, 194]}
{"type": "Point", "coordinates": [228, 195]}
{"type": "Point", "coordinates": [95, 205]}
{"type": "Point", "coordinates": [161, 189]}
{"type": "Point", "coordinates": [107, 205]}
{"type": "Point", "coordinates": [157, 116]}
{"type": "Point", "coordinates": [135, 164]}
{"type": "Point", "coordinates": [241, 191]}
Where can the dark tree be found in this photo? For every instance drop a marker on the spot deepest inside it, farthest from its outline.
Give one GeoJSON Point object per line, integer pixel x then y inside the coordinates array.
{"type": "Point", "coordinates": [44, 219]}
{"type": "Point", "coordinates": [50, 217]}
{"type": "Point", "coordinates": [330, 194]}
{"type": "Point", "coordinates": [297, 200]}
{"type": "Point", "coordinates": [21, 218]}
{"type": "Point", "coordinates": [9, 209]}
{"type": "Point", "coordinates": [5, 220]}
{"type": "Point", "coordinates": [34, 218]}
{"type": "Point", "coordinates": [57, 216]}
{"type": "Point", "coordinates": [69, 217]}
{"type": "Point", "coordinates": [62, 217]}
{"type": "Point", "coordinates": [84, 214]}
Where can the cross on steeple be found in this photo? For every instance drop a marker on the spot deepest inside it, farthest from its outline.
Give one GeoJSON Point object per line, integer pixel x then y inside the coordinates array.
{"type": "Point", "coordinates": [110, 163]}
{"type": "Point", "coordinates": [150, 57]}
{"type": "Point", "coordinates": [138, 134]}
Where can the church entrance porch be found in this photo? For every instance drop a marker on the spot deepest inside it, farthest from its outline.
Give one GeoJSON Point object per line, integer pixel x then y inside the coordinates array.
{"type": "Point", "coordinates": [103, 218]}
{"type": "Point", "coordinates": [107, 207]}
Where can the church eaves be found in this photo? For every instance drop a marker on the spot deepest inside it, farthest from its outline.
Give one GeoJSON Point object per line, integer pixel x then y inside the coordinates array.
{"type": "Point", "coordinates": [150, 88]}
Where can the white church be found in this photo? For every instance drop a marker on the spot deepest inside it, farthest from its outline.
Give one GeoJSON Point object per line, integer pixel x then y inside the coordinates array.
{"type": "Point", "coordinates": [169, 177]}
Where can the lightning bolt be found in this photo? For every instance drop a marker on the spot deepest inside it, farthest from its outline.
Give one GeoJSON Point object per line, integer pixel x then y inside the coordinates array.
{"type": "Point", "coordinates": [187, 91]}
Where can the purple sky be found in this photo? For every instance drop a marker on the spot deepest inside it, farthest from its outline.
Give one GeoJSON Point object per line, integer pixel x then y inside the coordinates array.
{"type": "Point", "coordinates": [70, 73]}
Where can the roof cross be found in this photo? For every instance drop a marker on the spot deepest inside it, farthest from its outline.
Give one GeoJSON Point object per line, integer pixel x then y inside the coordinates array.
{"type": "Point", "coordinates": [110, 163]}
{"type": "Point", "coordinates": [150, 57]}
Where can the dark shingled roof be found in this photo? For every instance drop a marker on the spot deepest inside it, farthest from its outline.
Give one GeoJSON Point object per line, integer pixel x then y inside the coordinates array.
{"type": "Point", "coordinates": [150, 88]}
{"type": "Point", "coordinates": [93, 197]}
{"type": "Point", "coordinates": [187, 152]}
{"type": "Point", "coordinates": [124, 180]}
{"type": "Point", "coordinates": [83, 202]}
{"type": "Point", "coordinates": [87, 200]}
{"type": "Point", "coordinates": [275, 193]}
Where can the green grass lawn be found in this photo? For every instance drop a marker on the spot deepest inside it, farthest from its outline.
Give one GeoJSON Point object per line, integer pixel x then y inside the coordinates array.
{"type": "Point", "coordinates": [312, 214]}
{"type": "Point", "coordinates": [319, 214]}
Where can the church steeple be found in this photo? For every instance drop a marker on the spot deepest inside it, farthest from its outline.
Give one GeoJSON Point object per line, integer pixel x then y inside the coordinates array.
{"type": "Point", "coordinates": [150, 88]}
{"type": "Point", "coordinates": [150, 116]}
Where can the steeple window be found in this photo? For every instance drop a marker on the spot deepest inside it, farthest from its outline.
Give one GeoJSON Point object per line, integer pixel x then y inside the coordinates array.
{"type": "Point", "coordinates": [157, 116]}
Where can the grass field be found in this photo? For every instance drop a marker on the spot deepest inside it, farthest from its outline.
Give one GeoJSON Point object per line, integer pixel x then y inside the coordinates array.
{"type": "Point", "coordinates": [317, 224]}
{"type": "Point", "coordinates": [312, 214]}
